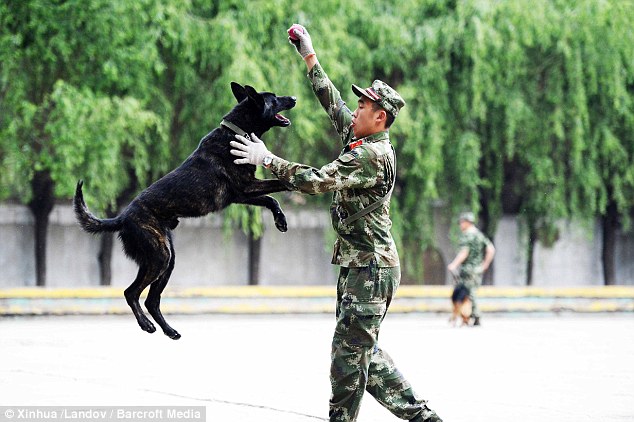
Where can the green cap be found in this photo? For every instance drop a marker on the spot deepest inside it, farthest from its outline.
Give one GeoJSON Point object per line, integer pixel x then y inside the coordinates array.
{"type": "Point", "coordinates": [382, 94]}
{"type": "Point", "coordinates": [467, 216]}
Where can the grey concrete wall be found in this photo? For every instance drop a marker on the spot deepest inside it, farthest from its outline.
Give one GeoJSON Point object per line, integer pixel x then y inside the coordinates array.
{"type": "Point", "coordinates": [442, 238]}
{"type": "Point", "coordinates": [17, 264]}
{"type": "Point", "coordinates": [205, 255]}
{"type": "Point", "coordinates": [575, 259]}
{"type": "Point", "coordinates": [302, 255]}
{"type": "Point", "coordinates": [510, 261]}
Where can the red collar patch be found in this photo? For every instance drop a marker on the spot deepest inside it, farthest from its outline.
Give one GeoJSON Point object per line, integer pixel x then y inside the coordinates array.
{"type": "Point", "coordinates": [355, 144]}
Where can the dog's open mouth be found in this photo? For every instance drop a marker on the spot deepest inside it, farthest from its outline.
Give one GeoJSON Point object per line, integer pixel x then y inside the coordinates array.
{"type": "Point", "coordinates": [283, 120]}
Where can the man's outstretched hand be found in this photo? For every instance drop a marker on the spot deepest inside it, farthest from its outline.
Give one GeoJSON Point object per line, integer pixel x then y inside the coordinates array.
{"type": "Point", "coordinates": [250, 151]}
{"type": "Point", "coordinates": [300, 38]}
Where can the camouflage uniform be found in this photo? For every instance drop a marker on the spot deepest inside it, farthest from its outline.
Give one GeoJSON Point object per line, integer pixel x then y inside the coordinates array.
{"type": "Point", "coordinates": [471, 268]}
{"type": "Point", "coordinates": [370, 273]}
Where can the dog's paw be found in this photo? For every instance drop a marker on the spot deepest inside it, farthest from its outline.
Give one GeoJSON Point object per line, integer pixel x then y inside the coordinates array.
{"type": "Point", "coordinates": [147, 326]}
{"type": "Point", "coordinates": [173, 334]}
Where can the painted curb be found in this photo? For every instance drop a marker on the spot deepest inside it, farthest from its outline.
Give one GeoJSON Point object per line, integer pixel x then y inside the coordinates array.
{"type": "Point", "coordinates": [310, 300]}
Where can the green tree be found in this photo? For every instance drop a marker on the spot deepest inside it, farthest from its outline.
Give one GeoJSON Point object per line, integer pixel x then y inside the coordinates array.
{"type": "Point", "coordinates": [510, 109]}
{"type": "Point", "coordinates": [74, 83]}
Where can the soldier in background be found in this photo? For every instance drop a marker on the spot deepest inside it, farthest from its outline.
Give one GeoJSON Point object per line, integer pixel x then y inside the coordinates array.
{"type": "Point", "coordinates": [361, 179]}
{"type": "Point", "coordinates": [473, 259]}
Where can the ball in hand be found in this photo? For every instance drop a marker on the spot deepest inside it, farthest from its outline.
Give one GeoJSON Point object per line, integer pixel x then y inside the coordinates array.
{"type": "Point", "coordinates": [291, 31]}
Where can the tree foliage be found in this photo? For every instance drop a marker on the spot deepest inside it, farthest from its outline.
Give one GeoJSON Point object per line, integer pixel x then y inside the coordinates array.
{"type": "Point", "coordinates": [76, 80]}
{"type": "Point", "coordinates": [510, 108]}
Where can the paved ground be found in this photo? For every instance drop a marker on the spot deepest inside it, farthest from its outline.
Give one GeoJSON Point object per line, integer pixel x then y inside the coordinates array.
{"type": "Point", "coordinates": [275, 368]}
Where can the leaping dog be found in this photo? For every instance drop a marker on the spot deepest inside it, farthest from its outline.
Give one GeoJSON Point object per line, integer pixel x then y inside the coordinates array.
{"type": "Point", "coordinates": [207, 181]}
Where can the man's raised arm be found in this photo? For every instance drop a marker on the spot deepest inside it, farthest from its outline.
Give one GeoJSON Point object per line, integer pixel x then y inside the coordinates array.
{"type": "Point", "coordinates": [327, 94]}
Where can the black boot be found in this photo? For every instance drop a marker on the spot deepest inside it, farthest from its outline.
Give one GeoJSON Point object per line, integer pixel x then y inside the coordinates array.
{"type": "Point", "coordinates": [476, 321]}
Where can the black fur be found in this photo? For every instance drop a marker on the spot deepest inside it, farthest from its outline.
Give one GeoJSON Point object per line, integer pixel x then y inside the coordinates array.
{"type": "Point", "coordinates": [462, 305]}
{"type": "Point", "coordinates": [459, 294]}
{"type": "Point", "coordinates": [207, 181]}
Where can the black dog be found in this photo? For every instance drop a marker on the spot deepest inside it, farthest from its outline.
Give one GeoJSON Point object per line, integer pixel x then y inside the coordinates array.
{"type": "Point", "coordinates": [207, 181]}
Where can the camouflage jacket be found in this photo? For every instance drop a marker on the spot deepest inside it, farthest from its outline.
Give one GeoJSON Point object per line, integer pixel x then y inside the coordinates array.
{"type": "Point", "coordinates": [361, 175]}
{"type": "Point", "coordinates": [476, 242]}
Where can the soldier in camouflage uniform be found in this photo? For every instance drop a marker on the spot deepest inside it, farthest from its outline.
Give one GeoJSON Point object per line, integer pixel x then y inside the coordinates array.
{"type": "Point", "coordinates": [361, 179]}
{"type": "Point", "coordinates": [473, 259]}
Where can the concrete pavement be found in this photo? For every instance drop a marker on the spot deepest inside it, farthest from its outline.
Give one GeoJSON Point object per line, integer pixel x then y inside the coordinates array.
{"type": "Point", "coordinates": [267, 368]}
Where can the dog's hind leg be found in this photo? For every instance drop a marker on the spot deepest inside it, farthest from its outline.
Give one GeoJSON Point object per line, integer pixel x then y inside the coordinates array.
{"type": "Point", "coordinates": [465, 311]}
{"type": "Point", "coordinates": [132, 294]}
{"type": "Point", "coordinates": [270, 203]}
{"type": "Point", "coordinates": [153, 301]}
{"type": "Point", "coordinates": [149, 248]}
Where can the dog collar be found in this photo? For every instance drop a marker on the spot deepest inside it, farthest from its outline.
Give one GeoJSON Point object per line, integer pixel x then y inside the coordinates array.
{"type": "Point", "coordinates": [234, 128]}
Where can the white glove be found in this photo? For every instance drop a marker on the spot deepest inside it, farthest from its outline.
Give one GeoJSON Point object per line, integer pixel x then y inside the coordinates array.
{"type": "Point", "coordinates": [253, 151]}
{"type": "Point", "coordinates": [303, 43]}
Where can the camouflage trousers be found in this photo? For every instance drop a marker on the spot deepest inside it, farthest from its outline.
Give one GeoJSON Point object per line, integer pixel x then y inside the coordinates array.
{"type": "Point", "coordinates": [358, 363]}
{"type": "Point", "coordinates": [472, 281]}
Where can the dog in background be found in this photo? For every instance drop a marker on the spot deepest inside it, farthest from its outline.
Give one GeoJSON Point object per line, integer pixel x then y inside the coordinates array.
{"type": "Point", "coordinates": [207, 181]}
{"type": "Point", "coordinates": [461, 304]}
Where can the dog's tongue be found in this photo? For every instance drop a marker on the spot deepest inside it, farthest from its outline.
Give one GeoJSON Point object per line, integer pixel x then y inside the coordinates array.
{"type": "Point", "coordinates": [282, 118]}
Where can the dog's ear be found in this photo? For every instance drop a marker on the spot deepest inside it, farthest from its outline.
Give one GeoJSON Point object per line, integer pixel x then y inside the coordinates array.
{"type": "Point", "coordinates": [254, 96]}
{"type": "Point", "coordinates": [238, 91]}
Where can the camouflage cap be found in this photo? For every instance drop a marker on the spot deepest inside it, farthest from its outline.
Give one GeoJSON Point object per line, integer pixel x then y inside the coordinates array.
{"type": "Point", "coordinates": [467, 216]}
{"type": "Point", "coordinates": [382, 94]}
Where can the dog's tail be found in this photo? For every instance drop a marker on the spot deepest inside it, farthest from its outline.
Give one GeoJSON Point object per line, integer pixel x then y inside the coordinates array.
{"type": "Point", "coordinates": [87, 220]}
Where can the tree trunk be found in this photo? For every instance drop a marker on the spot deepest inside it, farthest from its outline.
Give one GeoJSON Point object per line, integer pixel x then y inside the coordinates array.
{"type": "Point", "coordinates": [486, 224]}
{"type": "Point", "coordinates": [107, 239]}
{"type": "Point", "coordinates": [105, 254]}
{"type": "Point", "coordinates": [105, 259]}
{"type": "Point", "coordinates": [530, 250]}
{"type": "Point", "coordinates": [608, 252]}
{"type": "Point", "coordinates": [41, 206]}
{"type": "Point", "coordinates": [255, 246]}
